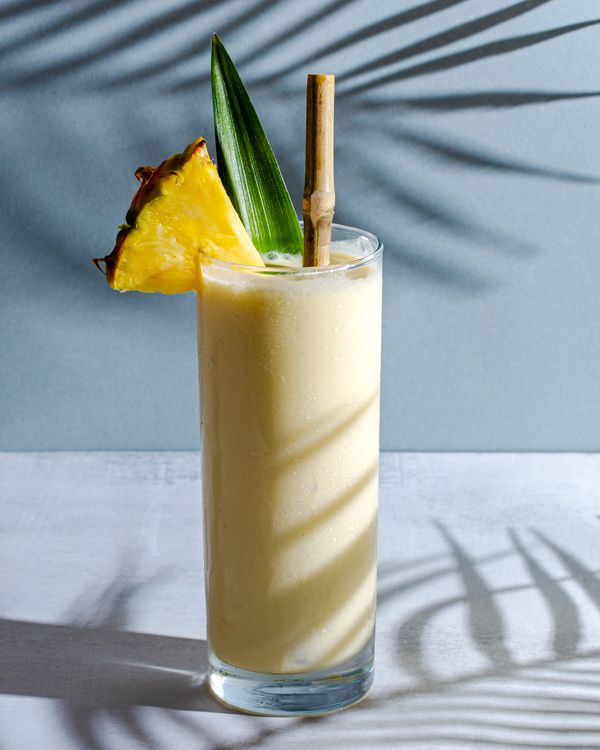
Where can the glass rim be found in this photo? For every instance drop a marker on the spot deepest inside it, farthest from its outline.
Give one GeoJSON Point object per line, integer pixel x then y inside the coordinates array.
{"type": "Point", "coordinates": [300, 270]}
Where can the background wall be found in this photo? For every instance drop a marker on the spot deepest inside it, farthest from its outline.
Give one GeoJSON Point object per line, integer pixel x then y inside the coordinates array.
{"type": "Point", "coordinates": [466, 138]}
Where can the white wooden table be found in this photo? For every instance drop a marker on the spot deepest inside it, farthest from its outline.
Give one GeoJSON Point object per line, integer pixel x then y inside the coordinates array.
{"type": "Point", "coordinates": [488, 616]}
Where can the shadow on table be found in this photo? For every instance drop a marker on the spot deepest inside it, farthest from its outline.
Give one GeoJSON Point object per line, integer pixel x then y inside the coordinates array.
{"type": "Point", "coordinates": [505, 698]}
{"type": "Point", "coordinates": [97, 660]}
{"type": "Point", "coordinates": [100, 666]}
{"type": "Point", "coordinates": [104, 675]}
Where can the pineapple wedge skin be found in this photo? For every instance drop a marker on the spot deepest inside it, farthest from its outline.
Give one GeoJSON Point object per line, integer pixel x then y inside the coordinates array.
{"type": "Point", "coordinates": [180, 209]}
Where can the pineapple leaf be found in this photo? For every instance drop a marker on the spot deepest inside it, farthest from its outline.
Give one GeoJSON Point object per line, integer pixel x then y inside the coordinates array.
{"type": "Point", "coordinates": [246, 164]}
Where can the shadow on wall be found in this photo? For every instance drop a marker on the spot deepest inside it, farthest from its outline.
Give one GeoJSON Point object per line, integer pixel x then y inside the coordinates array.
{"type": "Point", "coordinates": [105, 676]}
{"type": "Point", "coordinates": [115, 58]}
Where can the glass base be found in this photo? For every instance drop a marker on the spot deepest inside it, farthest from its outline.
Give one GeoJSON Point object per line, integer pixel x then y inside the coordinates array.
{"type": "Point", "coordinates": [299, 694]}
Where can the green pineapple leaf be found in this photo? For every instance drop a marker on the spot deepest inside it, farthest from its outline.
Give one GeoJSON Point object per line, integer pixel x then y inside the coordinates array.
{"type": "Point", "coordinates": [246, 164]}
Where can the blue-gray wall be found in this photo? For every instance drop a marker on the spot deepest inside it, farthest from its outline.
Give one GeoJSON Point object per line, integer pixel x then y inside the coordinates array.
{"type": "Point", "coordinates": [467, 137]}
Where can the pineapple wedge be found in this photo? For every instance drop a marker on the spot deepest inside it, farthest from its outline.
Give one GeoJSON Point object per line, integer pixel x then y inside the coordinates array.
{"type": "Point", "coordinates": [180, 209]}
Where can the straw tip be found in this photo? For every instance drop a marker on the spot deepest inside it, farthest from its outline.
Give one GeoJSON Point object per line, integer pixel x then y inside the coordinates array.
{"type": "Point", "coordinates": [321, 77]}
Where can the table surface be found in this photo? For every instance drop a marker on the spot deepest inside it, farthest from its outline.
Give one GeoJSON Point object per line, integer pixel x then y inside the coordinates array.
{"type": "Point", "coordinates": [488, 629]}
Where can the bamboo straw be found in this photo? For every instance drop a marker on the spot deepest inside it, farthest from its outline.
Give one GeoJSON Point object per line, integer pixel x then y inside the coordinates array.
{"type": "Point", "coordinates": [318, 201]}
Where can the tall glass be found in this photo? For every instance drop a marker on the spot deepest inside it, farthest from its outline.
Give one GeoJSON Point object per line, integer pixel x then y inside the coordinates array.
{"type": "Point", "coordinates": [289, 363]}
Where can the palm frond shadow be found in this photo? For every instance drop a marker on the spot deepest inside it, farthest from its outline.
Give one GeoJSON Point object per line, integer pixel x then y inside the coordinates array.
{"type": "Point", "coordinates": [288, 35]}
{"type": "Point", "coordinates": [428, 209]}
{"type": "Point", "coordinates": [18, 9]}
{"type": "Point", "coordinates": [456, 34]}
{"type": "Point", "coordinates": [123, 41]}
{"type": "Point", "coordinates": [99, 670]}
{"type": "Point", "coordinates": [540, 703]}
{"type": "Point", "coordinates": [417, 265]}
{"type": "Point", "coordinates": [485, 616]}
{"type": "Point", "coordinates": [79, 16]}
{"type": "Point", "coordinates": [389, 24]}
{"type": "Point", "coordinates": [467, 157]}
{"type": "Point", "coordinates": [584, 577]}
{"type": "Point", "coordinates": [173, 71]}
{"type": "Point", "coordinates": [478, 100]}
{"type": "Point", "coordinates": [567, 631]}
{"type": "Point", "coordinates": [416, 259]}
{"type": "Point", "coordinates": [517, 698]}
{"type": "Point", "coordinates": [443, 568]}
{"type": "Point", "coordinates": [569, 664]}
{"type": "Point", "coordinates": [481, 52]}
{"type": "Point", "coordinates": [192, 51]}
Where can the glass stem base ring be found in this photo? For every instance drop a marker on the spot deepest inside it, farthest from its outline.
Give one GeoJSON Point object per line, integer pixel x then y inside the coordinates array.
{"type": "Point", "coordinates": [300, 694]}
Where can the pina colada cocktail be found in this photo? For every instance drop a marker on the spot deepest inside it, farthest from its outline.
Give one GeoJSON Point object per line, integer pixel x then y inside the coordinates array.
{"type": "Point", "coordinates": [289, 363]}
{"type": "Point", "coordinates": [289, 368]}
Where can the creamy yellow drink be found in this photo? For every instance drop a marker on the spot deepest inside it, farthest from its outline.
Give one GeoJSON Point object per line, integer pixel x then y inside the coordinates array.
{"type": "Point", "coordinates": [289, 367]}
{"type": "Point", "coordinates": [289, 377]}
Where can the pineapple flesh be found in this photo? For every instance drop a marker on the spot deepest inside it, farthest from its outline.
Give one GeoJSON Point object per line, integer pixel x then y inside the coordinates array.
{"type": "Point", "coordinates": [180, 209]}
